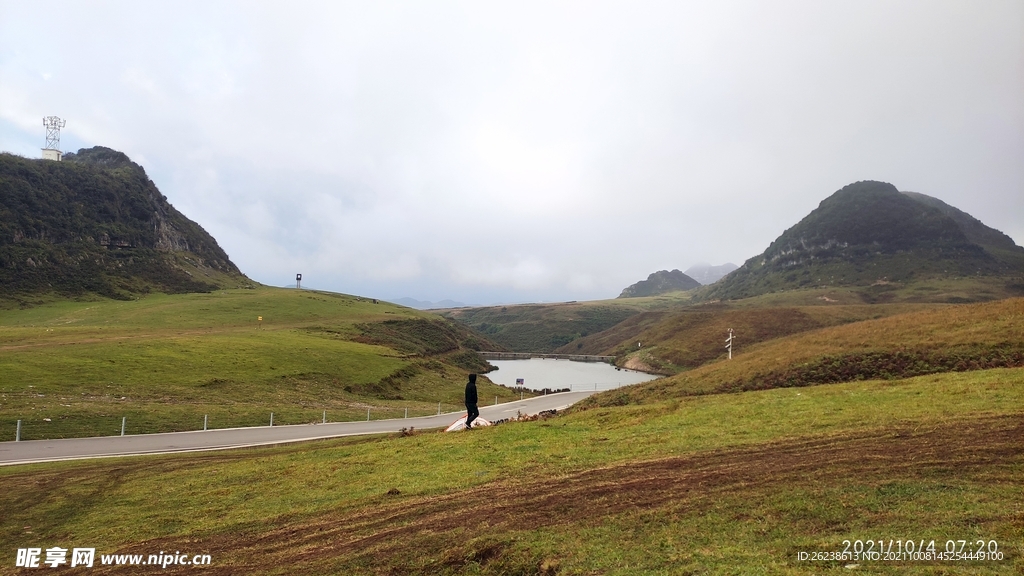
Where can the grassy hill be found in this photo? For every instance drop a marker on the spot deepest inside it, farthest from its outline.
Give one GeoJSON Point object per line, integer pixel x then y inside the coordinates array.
{"type": "Point", "coordinates": [96, 224]}
{"type": "Point", "coordinates": [544, 328]}
{"type": "Point", "coordinates": [677, 333]}
{"type": "Point", "coordinates": [671, 341]}
{"type": "Point", "coordinates": [165, 361]}
{"type": "Point", "coordinates": [661, 282]}
{"type": "Point", "coordinates": [869, 233]}
{"type": "Point", "coordinates": [933, 340]}
{"type": "Point", "coordinates": [866, 244]}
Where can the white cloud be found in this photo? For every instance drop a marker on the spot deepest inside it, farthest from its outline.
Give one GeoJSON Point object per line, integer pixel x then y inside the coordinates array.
{"type": "Point", "coordinates": [523, 150]}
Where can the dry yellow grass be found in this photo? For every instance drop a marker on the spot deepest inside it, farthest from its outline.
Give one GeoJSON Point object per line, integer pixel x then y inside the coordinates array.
{"type": "Point", "coordinates": [931, 330]}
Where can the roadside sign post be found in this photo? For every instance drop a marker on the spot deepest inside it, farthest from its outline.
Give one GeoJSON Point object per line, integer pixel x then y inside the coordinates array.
{"type": "Point", "coordinates": [728, 343]}
{"type": "Point", "coordinates": [259, 322]}
{"type": "Point", "coordinates": [520, 383]}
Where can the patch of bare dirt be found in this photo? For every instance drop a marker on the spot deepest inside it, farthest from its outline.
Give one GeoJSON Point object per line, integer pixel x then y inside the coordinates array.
{"type": "Point", "coordinates": [636, 363]}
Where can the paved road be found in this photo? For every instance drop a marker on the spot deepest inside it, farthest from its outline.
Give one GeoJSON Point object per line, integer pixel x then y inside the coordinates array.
{"type": "Point", "coordinates": [106, 446]}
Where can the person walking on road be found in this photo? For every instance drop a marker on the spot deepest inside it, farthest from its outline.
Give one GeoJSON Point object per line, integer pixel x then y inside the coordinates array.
{"type": "Point", "coordinates": [471, 410]}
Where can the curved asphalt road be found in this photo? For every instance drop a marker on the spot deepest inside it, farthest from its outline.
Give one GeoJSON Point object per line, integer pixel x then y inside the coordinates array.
{"type": "Point", "coordinates": [106, 446]}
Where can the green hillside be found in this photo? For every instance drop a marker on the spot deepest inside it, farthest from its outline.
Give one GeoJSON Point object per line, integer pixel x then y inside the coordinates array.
{"type": "Point", "coordinates": [165, 361]}
{"type": "Point", "coordinates": [866, 244]}
{"type": "Point", "coordinates": [868, 233]}
{"type": "Point", "coordinates": [661, 282]}
{"type": "Point", "coordinates": [670, 341]}
{"type": "Point", "coordinates": [682, 338]}
{"type": "Point", "coordinates": [96, 224]}
{"type": "Point", "coordinates": [543, 328]}
{"type": "Point", "coordinates": [999, 245]}
{"type": "Point", "coordinates": [931, 340]}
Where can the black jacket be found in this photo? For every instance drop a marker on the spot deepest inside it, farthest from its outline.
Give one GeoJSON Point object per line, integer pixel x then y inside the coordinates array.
{"type": "Point", "coordinates": [471, 393]}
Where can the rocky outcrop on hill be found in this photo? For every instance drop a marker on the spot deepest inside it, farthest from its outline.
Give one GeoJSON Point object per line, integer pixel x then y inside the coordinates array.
{"type": "Point", "coordinates": [96, 223]}
{"type": "Point", "coordinates": [869, 232]}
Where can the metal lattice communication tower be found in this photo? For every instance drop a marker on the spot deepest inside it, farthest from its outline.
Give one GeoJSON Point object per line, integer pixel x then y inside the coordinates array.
{"type": "Point", "coordinates": [53, 124]}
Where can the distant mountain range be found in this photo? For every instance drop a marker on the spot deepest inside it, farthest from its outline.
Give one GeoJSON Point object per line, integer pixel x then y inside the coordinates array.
{"type": "Point", "coordinates": [660, 282]}
{"type": "Point", "coordinates": [424, 305]}
{"type": "Point", "coordinates": [95, 223]}
{"type": "Point", "coordinates": [708, 274]}
{"type": "Point", "coordinates": [869, 233]}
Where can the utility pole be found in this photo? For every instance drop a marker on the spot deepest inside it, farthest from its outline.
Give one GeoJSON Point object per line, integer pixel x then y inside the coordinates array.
{"type": "Point", "coordinates": [728, 343]}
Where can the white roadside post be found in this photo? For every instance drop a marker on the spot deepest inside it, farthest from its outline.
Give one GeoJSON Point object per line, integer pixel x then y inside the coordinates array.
{"type": "Point", "coordinates": [325, 416]}
{"type": "Point", "coordinates": [123, 420]}
{"type": "Point", "coordinates": [271, 418]}
{"type": "Point", "coordinates": [728, 343]}
{"type": "Point", "coordinates": [205, 419]}
{"type": "Point", "coordinates": [438, 408]}
{"type": "Point", "coordinates": [367, 414]}
{"type": "Point", "coordinates": [17, 435]}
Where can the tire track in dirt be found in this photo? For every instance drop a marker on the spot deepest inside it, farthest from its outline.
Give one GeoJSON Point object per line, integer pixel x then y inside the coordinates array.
{"type": "Point", "coordinates": [392, 525]}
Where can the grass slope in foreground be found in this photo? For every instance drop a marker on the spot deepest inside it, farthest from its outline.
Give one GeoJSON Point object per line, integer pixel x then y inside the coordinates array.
{"type": "Point", "coordinates": [729, 483]}
{"type": "Point", "coordinates": [165, 361]}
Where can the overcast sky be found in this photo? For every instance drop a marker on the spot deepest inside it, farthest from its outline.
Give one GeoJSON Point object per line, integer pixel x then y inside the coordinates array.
{"type": "Point", "coordinates": [505, 152]}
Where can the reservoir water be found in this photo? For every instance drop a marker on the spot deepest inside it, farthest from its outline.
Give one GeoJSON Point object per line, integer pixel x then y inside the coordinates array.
{"type": "Point", "coordinates": [539, 373]}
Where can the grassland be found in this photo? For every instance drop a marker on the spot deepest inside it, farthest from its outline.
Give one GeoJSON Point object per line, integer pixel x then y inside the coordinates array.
{"type": "Point", "coordinates": [544, 328]}
{"type": "Point", "coordinates": [972, 333]}
{"type": "Point", "coordinates": [166, 361]}
{"type": "Point", "coordinates": [683, 330]}
{"type": "Point", "coordinates": [672, 341]}
{"type": "Point", "coordinates": [698, 473]}
{"type": "Point", "coordinates": [729, 483]}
